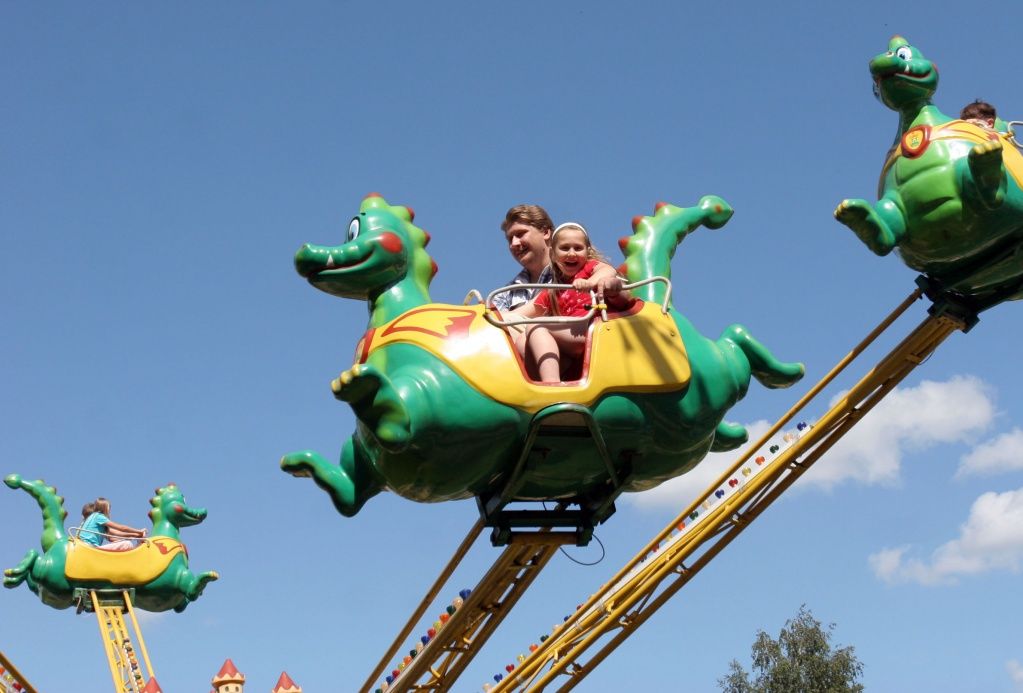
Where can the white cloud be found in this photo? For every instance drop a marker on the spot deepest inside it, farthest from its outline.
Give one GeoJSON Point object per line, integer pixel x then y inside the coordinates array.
{"type": "Point", "coordinates": [990, 539]}
{"type": "Point", "coordinates": [912, 418]}
{"type": "Point", "coordinates": [150, 618]}
{"type": "Point", "coordinates": [908, 419]}
{"type": "Point", "coordinates": [1015, 670]}
{"type": "Point", "coordinates": [1002, 454]}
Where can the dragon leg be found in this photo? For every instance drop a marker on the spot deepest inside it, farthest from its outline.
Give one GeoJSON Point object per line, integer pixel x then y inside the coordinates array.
{"type": "Point", "coordinates": [197, 583]}
{"type": "Point", "coordinates": [376, 403]}
{"type": "Point", "coordinates": [879, 226]}
{"type": "Point", "coordinates": [349, 484]}
{"type": "Point", "coordinates": [758, 359]}
{"type": "Point", "coordinates": [982, 176]}
{"type": "Point", "coordinates": [19, 573]}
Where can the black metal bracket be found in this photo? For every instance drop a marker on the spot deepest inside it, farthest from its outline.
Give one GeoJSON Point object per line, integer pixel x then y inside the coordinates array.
{"type": "Point", "coordinates": [564, 420]}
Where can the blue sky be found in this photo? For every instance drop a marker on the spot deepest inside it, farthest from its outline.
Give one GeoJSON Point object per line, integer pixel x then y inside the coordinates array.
{"type": "Point", "coordinates": [160, 166]}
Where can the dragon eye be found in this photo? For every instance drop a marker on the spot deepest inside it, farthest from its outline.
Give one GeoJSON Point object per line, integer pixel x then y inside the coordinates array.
{"type": "Point", "coordinates": [353, 229]}
{"type": "Point", "coordinates": [905, 53]}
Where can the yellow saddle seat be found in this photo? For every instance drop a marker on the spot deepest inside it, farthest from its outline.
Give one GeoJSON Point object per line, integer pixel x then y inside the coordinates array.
{"type": "Point", "coordinates": [137, 566]}
{"type": "Point", "coordinates": [639, 350]}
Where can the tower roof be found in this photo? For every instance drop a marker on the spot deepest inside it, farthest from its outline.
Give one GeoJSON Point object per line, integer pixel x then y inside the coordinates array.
{"type": "Point", "coordinates": [286, 685]}
{"type": "Point", "coordinates": [228, 674]}
{"type": "Point", "coordinates": [152, 686]}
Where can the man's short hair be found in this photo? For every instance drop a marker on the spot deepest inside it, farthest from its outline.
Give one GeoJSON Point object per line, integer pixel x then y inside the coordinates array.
{"type": "Point", "coordinates": [978, 109]}
{"type": "Point", "coordinates": [533, 215]}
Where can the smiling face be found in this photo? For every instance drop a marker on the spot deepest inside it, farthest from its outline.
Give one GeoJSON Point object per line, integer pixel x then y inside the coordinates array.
{"type": "Point", "coordinates": [528, 245]}
{"type": "Point", "coordinates": [903, 76]}
{"type": "Point", "coordinates": [373, 256]}
{"type": "Point", "coordinates": [169, 506]}
{"type": "Point", "coordinates": [570, 251]}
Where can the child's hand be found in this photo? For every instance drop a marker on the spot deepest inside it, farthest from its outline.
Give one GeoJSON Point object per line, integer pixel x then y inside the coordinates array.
{"type": "Point", "coordinates": [608, 285]}
{"type": "Point", "coordinates": [582, 284]}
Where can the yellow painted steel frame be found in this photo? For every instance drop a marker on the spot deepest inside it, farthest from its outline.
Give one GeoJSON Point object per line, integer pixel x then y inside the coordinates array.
{"type": "Point", "coordinates": [124, 665]}
{"type": "Point", "coordinates": [18, 677]}
{"type": "Point", "coordinates": [641, 587]}
{"type": "Point", "coordinates": [459, 640]}
{"type": "Point", "coordinates": [431, 595]}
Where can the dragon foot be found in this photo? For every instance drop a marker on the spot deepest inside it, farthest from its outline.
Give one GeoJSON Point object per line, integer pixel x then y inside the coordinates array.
{"type": "Point", "coordinates": [339, 481]}
{"type": "Point", "coordinates": [376, 403]}
{"type": "Point", "coordinates": [194, 588]}
{"type": "Point", "coordinates": [768, 370]}
{"type": "Point", "coordinates": [989, 180]}
{"type": "Point", "coordinates": [202, 579]}
{"type": "Point", "coordinates": [867, 224]}
{"type": "Point", "coordinates": [729, 436]}
{"type": "Point", "coordinates": [19, 573]}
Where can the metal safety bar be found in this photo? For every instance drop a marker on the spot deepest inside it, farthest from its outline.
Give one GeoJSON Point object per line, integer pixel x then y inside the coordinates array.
{"type": "Point", "coordinates": [561, 319]}
{"type": "Point", "coordinates": [78, 535]}
{"type": "Point", "coordinates": [1011, 134]}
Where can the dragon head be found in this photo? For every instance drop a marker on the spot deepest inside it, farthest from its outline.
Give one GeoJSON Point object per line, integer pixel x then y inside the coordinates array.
{"type": "Point", "coordinates": [169, 507]}
{"type": "Point", "coordinates": [382, 248]}
{"type": "Point", "coordinates": [902, 75]}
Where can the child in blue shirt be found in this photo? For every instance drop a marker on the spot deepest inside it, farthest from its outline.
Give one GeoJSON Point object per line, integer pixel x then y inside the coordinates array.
{"type": "Point", "coordinates": [97, 528]}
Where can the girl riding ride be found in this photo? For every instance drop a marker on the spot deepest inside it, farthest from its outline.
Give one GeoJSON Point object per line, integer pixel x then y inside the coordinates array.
{"type": "Point", "coordinates": [575, 261]}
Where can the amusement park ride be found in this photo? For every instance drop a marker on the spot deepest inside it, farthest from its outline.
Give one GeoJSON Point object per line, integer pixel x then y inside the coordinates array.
{"type": "Point", "coordinates": [647, 404]}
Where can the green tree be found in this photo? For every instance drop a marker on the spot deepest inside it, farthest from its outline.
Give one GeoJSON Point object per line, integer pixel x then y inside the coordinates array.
{"type": "Point", "coordinates": [799, 661]}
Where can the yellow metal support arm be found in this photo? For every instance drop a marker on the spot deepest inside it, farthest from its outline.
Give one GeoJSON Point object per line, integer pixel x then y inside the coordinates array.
{"type": "Point", "coordinates": [650, 579]}
{"type": "Point", "coordinates": [16, 675]}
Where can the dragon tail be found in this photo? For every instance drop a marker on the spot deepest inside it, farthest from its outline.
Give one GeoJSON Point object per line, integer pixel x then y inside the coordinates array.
{"type": "Point", "coordinates": [648, 251]}
{"type": "Point", "coordinates": [49, 502]}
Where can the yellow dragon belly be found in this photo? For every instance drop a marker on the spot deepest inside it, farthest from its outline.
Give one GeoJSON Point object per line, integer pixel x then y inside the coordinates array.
{"type": "Point", "coordinates": [637, 351]}
{"type": "Point", "coordinates": [139, 566]}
